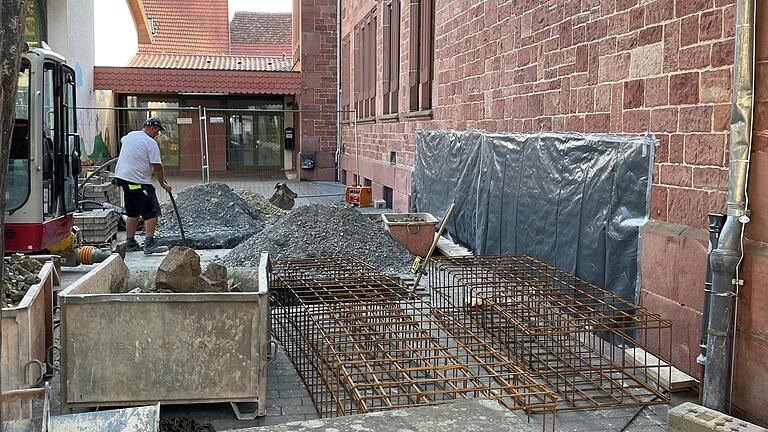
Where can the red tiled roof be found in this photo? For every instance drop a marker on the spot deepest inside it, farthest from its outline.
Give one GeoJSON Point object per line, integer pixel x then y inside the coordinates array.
{"type": "Point", "coordinates": [260, 28]}
{"type": "Point", "coordinates": [271, 50]}
{"type": "Point", "coordinates": [155, 80]}
{"type": "Point", "coordinates": [187, 26]}
{"type": "Point", "coordinates": [211, 62]}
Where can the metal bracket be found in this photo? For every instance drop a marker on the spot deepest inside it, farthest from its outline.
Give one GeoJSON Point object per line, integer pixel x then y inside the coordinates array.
{"type": "Point", "coordinates": [247, 415]}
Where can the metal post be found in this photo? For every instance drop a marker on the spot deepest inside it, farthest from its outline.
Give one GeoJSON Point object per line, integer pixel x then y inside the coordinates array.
{"type": "Point", "coordinates": [203, 159]}
{"type": "Point", "coordinates": [206, 168]}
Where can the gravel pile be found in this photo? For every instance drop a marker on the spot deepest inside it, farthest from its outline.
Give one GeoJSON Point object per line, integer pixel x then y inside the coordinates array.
{"type": "Point", "coordinates": [19, 275]}
{"type": "Point", "coordinates": [324, 230]}
{"type": "Point", "coordinates": [184, 424]}
{"type": "Point", "coordinates": [261, 205]}
{"type": "Point", "coordinates": [213, 215]}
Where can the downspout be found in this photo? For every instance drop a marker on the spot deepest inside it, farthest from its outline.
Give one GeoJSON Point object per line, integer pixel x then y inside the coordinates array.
{"type": "Point", "coordinates": [727, 258]}
{"type": "Point", "coordinates": [338, 90]}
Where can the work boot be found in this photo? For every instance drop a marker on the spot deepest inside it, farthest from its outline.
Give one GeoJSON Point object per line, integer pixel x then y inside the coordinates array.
{"type": "Point", "coordinates": [133, 245]}
{"type": "Point", "coordinates": [151, 247]}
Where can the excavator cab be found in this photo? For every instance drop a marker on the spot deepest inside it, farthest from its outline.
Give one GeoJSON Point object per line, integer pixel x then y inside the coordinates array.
{"type": "Point", "coordinates": [44, 164]}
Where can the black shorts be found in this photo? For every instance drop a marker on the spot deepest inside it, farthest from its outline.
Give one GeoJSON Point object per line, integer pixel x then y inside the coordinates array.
{"type": "Point", "coordinates": [140, 200]}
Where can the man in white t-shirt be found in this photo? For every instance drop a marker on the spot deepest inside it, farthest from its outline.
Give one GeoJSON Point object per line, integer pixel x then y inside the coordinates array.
{"type": "Point", "coordinates": [139, 158]}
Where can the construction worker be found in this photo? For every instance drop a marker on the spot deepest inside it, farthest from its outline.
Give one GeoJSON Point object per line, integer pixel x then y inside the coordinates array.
{"type": "Point", "coordinates": [139, 158]}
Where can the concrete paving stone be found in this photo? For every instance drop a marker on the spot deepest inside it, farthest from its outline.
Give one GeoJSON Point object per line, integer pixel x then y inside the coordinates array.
{"type": "Point", "coordinates": [302, 409]}
{"type": "Point", "coordinates": [266, 421]}
{"type": "Point", "coordinates": [287, 401]}
{"type": "Point", "coordinates": [294, 392]}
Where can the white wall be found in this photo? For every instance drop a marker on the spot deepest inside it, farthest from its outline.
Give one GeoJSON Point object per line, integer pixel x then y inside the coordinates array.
{"type": "Point", "coordinates": [116, 37]}
{"type": "Point", "coordinates": [71, 34]}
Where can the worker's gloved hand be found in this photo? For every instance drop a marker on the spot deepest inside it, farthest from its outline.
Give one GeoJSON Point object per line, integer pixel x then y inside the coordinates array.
{"type": "Point", "coordinates": [166, 186]}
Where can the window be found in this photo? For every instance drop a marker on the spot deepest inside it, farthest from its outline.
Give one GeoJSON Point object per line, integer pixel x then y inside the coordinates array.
{"type": "Point", "coordinates": [365, 67]}
{"type": "Point", "coordinates": [346, 100]}
{"type": "Point", "coordinates": [421, 54]}
{"type": "Point", "coordinates": [391, 55]}
{"type": "Point", "coordinates": [17, 176]}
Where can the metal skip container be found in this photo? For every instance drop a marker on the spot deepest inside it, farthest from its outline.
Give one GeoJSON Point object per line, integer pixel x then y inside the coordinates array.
{"type": "Point", "coordinates": [27, 334]}
{"type": "Point", "coordinates": [126, 349]}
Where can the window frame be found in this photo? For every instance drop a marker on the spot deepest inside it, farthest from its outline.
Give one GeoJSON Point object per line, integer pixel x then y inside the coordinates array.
{"type": "Point", "coordinates": [391, 52]}
{"type": "Point", "coordinates": [422, 54]}
{"type": "Point", "coordinates": [365, 66]}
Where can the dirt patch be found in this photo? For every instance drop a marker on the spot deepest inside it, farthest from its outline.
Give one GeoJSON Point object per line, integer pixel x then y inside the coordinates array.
{"type": "Point", "coordinates": [213, 216]}
{"type": "Point", "coordinates": [324, 230]}
{"type": "Point", "coordinates": [19, 275]}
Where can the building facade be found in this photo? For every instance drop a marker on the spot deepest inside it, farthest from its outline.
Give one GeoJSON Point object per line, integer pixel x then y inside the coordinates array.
{"type": "Point", "coordinates": [661, 67]}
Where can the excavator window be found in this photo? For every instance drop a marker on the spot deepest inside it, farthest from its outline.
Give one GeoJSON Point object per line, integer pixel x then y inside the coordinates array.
{"type": "Point", "coordinates": [17, 177]}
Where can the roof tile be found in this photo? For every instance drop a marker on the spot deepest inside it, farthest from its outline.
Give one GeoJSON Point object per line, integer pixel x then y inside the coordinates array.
{"type": "Point", "coordinates": [211, 62]}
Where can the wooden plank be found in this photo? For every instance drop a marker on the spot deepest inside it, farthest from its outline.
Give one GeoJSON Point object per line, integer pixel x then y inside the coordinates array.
{"type": "Point", "coordinates": [675, 381]}
{"type": "Point", "coordinates": [449, 248]}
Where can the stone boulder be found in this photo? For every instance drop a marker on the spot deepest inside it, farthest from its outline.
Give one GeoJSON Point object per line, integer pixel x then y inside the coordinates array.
{"type": "Point", "coordinates": [216, 275]}
{"type": "Point", "coordinates": [180, 272]}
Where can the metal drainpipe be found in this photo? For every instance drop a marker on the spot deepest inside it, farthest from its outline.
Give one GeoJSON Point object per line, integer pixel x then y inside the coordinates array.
{"type": "Point", "coordinates": [338, 90]}
{"type": "Point", "coordinates": [716, 221]}
{"type": "Point", "coordinates": [727, 257]}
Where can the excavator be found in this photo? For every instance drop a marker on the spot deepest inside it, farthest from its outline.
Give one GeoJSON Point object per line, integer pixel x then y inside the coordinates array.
{"type": "Point", "coordinates": [41, 193]}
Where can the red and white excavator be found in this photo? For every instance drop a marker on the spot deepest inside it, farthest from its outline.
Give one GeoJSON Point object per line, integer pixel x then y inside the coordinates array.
{"type": "Point", "coordinates": [44, 164]}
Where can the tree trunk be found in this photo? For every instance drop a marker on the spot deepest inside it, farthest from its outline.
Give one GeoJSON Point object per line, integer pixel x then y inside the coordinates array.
{"type": "Point", "coordinates": [12, 13]}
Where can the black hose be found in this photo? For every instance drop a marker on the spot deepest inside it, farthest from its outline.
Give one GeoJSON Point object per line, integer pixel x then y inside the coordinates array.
{"type": "Point", "coordinates": [178, 218]}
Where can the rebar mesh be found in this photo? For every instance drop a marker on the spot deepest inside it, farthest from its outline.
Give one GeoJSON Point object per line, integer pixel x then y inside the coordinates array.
{"type": "Point", "coordinates": [590, 347]}
{"type": "Point", "coordinates": [362, 343]}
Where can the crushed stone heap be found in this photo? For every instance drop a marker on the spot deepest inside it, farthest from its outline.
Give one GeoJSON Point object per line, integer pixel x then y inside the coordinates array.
{"type": "Point", "coordinates": [213, 215]}
{"type": "Point", "coordinates": [20, 273]}
{"type": "Point", "coordinates": [324, 230]}
{"type": "Point", "coordinates": [261, 205]}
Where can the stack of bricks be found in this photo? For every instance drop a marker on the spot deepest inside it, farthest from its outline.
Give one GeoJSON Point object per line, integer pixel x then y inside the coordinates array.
{"type": "Point", "coordinates": [101, 190]}
{"type": "Point", "coordinates": [97, 226]}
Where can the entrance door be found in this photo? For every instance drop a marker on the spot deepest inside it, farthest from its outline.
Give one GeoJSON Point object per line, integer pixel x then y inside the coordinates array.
{"type": "Point", "coordinates": [255, 141]}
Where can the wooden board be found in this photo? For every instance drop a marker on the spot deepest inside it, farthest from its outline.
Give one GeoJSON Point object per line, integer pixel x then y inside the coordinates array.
{"type": "Point", "coordinates": [449, 248]}
{"type": "Point", "coordinates": [675, 381]}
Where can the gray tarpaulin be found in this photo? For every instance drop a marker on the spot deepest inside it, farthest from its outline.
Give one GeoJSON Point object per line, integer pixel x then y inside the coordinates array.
{"type": "Point", "coordinates": [575, 201]}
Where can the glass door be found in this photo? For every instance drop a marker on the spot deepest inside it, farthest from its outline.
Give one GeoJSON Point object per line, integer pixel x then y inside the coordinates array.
{"type": "Point", "coordinates": [240, 144]}
{"type": "Point", "coordinates": [269, 139]}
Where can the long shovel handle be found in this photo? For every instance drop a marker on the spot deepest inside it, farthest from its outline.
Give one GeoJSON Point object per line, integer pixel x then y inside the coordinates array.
{"type": "Point", "coordinates": [422, 270]}
{"type": "Point", "coordinates": [178, 218]}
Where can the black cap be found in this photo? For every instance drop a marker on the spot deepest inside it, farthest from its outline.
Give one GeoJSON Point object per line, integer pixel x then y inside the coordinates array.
{"type": "Point", "coordinates": [154, 122]}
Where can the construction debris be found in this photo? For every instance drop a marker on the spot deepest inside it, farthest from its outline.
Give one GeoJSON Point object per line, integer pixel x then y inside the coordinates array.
{"type": "Point", "coordinates": [213, 215]}
{"type": "Point", "coordinates": [19, 275]}
{"type": "Point", "coordinates": [260, 204]}
{"type": "Point", "coordinates": [324, 230]}
{"type": "Point", "coordinates": [180, 272]}
{"type": "Point", "coordinates": [184, 424]}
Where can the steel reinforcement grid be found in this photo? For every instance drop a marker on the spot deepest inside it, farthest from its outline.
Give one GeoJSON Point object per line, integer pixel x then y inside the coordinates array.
{"type": "Point", "coordinates": [362, 342]}
{"type": "Point", "coordinates": [590, 347]}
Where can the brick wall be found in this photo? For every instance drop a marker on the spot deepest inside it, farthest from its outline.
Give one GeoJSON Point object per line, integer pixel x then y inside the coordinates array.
{"type": "Point", "coordinates": [606, 66]}
{"type": "Point", "coordinates": [622, 66]}
{"type": "Point", "coordinates": [317, 131]}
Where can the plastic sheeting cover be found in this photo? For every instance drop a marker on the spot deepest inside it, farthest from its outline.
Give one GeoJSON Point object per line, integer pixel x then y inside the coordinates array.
{"type": "Point", "coordinates": [575, 201]}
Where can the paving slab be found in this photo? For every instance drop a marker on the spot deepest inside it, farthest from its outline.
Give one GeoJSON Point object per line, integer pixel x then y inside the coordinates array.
{"type": "Point", "coordinates": [476, 416]}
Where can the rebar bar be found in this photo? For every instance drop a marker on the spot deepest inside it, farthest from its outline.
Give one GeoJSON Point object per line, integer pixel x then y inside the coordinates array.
{"type": "Point", "coordinates": [589, 346]}
{"type": "Point", "coordinates": [362, 342]}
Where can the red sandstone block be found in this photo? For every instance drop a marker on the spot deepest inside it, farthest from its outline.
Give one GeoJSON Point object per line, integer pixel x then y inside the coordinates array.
{"type": "Point", "coordinates": [633, 94]}
{"type": "Point", "coordinates": [636, 18]}
{"type": "Point", "coordinates": [574, 123]}
{"type": "Point", "coordinates": [657, 91]}
{"type": "Point", "coordinates": [597, 123]}
{"type": "Point", "coordinates": [676, 175]}
{"type": "Point", "coordinates": [721, 118]}
{"type": "Point", "coordinates": [729, 20]}
{"type": "Point", "coordinates": [664, 119]}
{"type": "Point", "coordinates": [695, 57]}
{"type": "Point", "coordinates": [689, 30]}
{"type": "Point", "coordinates": [650, 35]}
{"type": "Point", "coordinates": [711, 25]}
{"type": "Point", "coordinates": [686, 324]}
{"type": "Point", "coordinates": [688, 7]}
{"type": "Point", "coordinates": [626, 42]}
{"type": "Point", "coordinates": [661, 153]}
{"type": "Point", "coordinates": [716, 86]}
{"type": "Point", "coordinates": [722, 53]}
{"type": "Point", "coordinates": [684, 88]}
{"type": "Point", "coordinates": [586, 99]}
{"type": "Point", "coordinates": [710, 178]}
{"type": "Point", "coordinates": [603, 98]}
{"type": "Point", "coordinates": [676, 148]}
{"type": "Point", "coordinates": [625, 4]}
{"type": "Point", "coordinates": [659, 196]}
{"type": "Point", "coordinates": [671, 46]}
{"type": "Point", "coordinates": [704, 149]}
{"type": "Point", "coordinates": [689, 207]}
{"type": "Point", "coordinates": [636, 121]}
{"type": "Point", "coordinates": [596, 29]}
{"type": "Point", "coordinates": [696, 119]}
{"type": "Point", "coordinates": [618, 24]}
{"type": "Point", "coordinates": [614, 68]}
{"type": "Point", "coordinates": [658, 11]}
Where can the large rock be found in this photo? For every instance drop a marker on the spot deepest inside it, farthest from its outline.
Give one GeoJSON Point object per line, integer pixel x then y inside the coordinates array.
{"type": "Point", "coordinates": [216, 275]}
{"type": "Point", "coordinates": [180, 272]}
